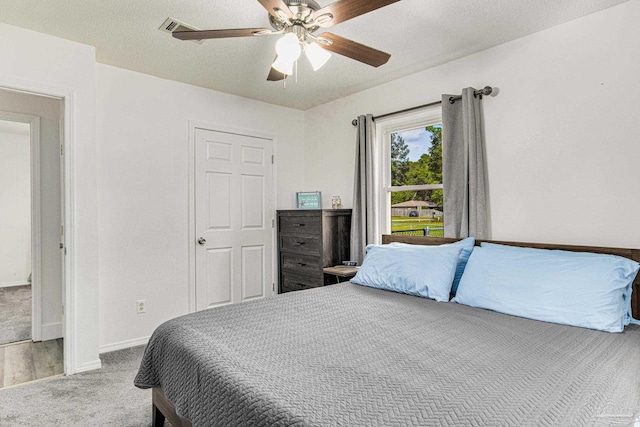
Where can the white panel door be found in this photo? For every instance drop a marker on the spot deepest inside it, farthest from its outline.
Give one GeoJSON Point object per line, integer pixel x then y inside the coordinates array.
{"type": "Point", "coordinates": [234, 209]}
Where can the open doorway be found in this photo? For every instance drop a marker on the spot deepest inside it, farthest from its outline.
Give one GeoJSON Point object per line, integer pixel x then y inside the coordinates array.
{"type": "Point", "coordinates": [15, 232]}
{"type": "Point", "coordinates": [31, 263]}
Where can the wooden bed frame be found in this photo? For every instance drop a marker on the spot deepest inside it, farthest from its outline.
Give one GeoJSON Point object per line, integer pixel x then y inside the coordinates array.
{"type": "Point", "coordinates": [164, 409]}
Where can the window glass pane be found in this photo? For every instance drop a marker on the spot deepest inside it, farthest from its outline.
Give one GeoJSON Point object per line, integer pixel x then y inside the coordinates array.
{"type": "Point", "coordinates": [416, 156]}
{"type": "Point", "coordinates": [416, 159]}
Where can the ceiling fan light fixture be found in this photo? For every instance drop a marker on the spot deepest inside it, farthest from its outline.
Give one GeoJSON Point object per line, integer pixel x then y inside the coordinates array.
{"type": "Point", "coordinates": [288, 47]}
{"type": "Point", "coordinates": [316, 55]}
{"type": "Point", "coordinates": [284, 65]}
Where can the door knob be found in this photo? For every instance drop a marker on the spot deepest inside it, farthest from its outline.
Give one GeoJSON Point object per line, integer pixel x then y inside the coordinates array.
{"type": "Point", "coordinates": [202, 241]}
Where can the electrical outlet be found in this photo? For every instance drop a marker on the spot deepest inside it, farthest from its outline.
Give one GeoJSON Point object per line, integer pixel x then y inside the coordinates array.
{"type": "Point", "coordinates": [140, 306]}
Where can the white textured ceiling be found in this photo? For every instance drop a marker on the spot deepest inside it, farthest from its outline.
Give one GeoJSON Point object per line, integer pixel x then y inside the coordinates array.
{"type": "Point", "coordinates": [418, 34]}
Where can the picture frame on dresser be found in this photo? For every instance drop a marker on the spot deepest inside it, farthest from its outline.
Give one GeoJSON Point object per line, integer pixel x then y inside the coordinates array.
{"type": "Point", "coordinates": [309, 200]}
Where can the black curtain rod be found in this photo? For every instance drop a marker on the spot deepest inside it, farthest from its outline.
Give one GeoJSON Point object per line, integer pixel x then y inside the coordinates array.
{"type": "Point", "coordinates": [452, 99]}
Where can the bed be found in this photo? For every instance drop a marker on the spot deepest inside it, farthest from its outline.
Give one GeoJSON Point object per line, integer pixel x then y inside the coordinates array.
{"type": "Point", "coordinates": [350, 355]}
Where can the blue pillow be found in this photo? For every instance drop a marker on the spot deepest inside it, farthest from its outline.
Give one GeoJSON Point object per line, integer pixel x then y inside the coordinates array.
{"type": "Point", "coordinates": [467, 247]}
{"type": "Point", "coordinates": [570, 288]}
{"type": "Point", "coordinates": [626, 295]}
{"type": "Point", "coordinates": [425, 271]}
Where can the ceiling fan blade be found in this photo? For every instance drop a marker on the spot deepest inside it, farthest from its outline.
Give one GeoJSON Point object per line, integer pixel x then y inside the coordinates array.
{"type": "Point", "coordinates": [344, 10]}
{"type": "Point", "coordinates": [275, 75]}
{"type": "Point", "coordinates": [355, 50]}
{"type": "Point", "coordinates": [216, 34]}
{"type": "Point", "coordinates": [273, 5]}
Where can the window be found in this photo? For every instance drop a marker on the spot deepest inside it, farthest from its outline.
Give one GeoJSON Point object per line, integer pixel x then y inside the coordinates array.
{"type": "Point", "coordinates": [411, 195]}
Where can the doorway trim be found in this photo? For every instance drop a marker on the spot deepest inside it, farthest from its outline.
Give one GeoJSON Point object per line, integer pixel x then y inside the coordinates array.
{"type": "Point", "coordinates": [36, 245]}
{"type": "Point", "coordinates": [191, 243]}
{"type": "Point", "coordinates": [68, 179]}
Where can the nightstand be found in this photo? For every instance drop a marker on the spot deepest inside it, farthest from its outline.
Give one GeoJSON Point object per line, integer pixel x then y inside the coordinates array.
{"type": "Point", "coordinates": [338, 273]}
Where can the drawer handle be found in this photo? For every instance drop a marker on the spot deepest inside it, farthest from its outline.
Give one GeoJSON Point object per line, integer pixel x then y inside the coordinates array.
{"type": "Point", "coordinates": [299, 225]}
{"type": "Point", "coordinates": [301, 264]}
{"type": "Point", "coordinates": [299, 243]}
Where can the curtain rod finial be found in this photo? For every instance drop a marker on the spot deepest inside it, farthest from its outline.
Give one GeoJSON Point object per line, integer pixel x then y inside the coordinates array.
{"type": "Point", "coordinates": [354, 122]}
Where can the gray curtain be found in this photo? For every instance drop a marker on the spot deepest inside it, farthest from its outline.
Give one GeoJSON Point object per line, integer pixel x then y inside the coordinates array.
{"type": "Point", "coordinates": [464, 167]}
{"type": "Point", "coordinates": [364, 219]}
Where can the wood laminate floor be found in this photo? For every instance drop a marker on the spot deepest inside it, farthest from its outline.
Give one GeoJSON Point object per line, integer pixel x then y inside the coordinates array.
{"type": "Point", "coordinates": [28, 361]}
{"type": "Point", "coordinates": [15, 314]}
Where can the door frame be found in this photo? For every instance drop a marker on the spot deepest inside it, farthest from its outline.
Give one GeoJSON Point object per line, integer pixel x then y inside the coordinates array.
{"type": "Point", "coordinates": [36, 229]}
{"type": "Point", "coordinates": [191, 243]}
{"type": "Point", "coordinates": [67, 175]}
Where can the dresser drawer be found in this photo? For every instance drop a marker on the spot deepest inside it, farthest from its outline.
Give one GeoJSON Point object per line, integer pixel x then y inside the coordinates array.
{"type": "Point", "coordinates": [292, 282]}
{"type": "Point", "coordinates": [301, 264]}
{"type": "Point", "coordinates": [303, 243]}
{"type": "Point", "coordinates": [302, 224]}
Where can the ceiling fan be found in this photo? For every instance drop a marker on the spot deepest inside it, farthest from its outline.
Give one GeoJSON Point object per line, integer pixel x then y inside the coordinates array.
{"type": "Point", "coordinates": [298, 21]}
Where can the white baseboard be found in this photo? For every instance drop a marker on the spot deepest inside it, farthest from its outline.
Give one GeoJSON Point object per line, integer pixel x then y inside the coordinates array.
{"type": "Point", "coordinates": [123, 344]}
{"type": "Point", "coordinates": [51, 331]}
{"type": "Point", "coordinates": [88, 366]}
{"type": "Point", "coordinates": [11, 284]}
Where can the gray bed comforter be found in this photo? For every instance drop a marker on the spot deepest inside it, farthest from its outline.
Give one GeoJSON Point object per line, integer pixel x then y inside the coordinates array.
{"type": "Point", "coordinates": [347, 355]}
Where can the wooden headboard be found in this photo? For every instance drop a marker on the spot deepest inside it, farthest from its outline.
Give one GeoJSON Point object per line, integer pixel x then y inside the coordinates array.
{"type": "Point", "coordinates": [633, 254]}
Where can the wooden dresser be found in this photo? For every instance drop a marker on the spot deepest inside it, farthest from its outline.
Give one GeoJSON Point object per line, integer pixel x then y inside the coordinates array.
{"type": "Point", "coordinates": [308, 241]}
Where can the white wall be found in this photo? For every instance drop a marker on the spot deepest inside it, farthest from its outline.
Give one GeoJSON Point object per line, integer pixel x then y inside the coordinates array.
{"type": "Point", "coordinates": [143, 146]}
{"type": "Point", "coordinates": [15, 208]}
{"type": "Point", "coordinates": [38, 62]}
{"type": "Point", "coordinates": [561, 135]}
